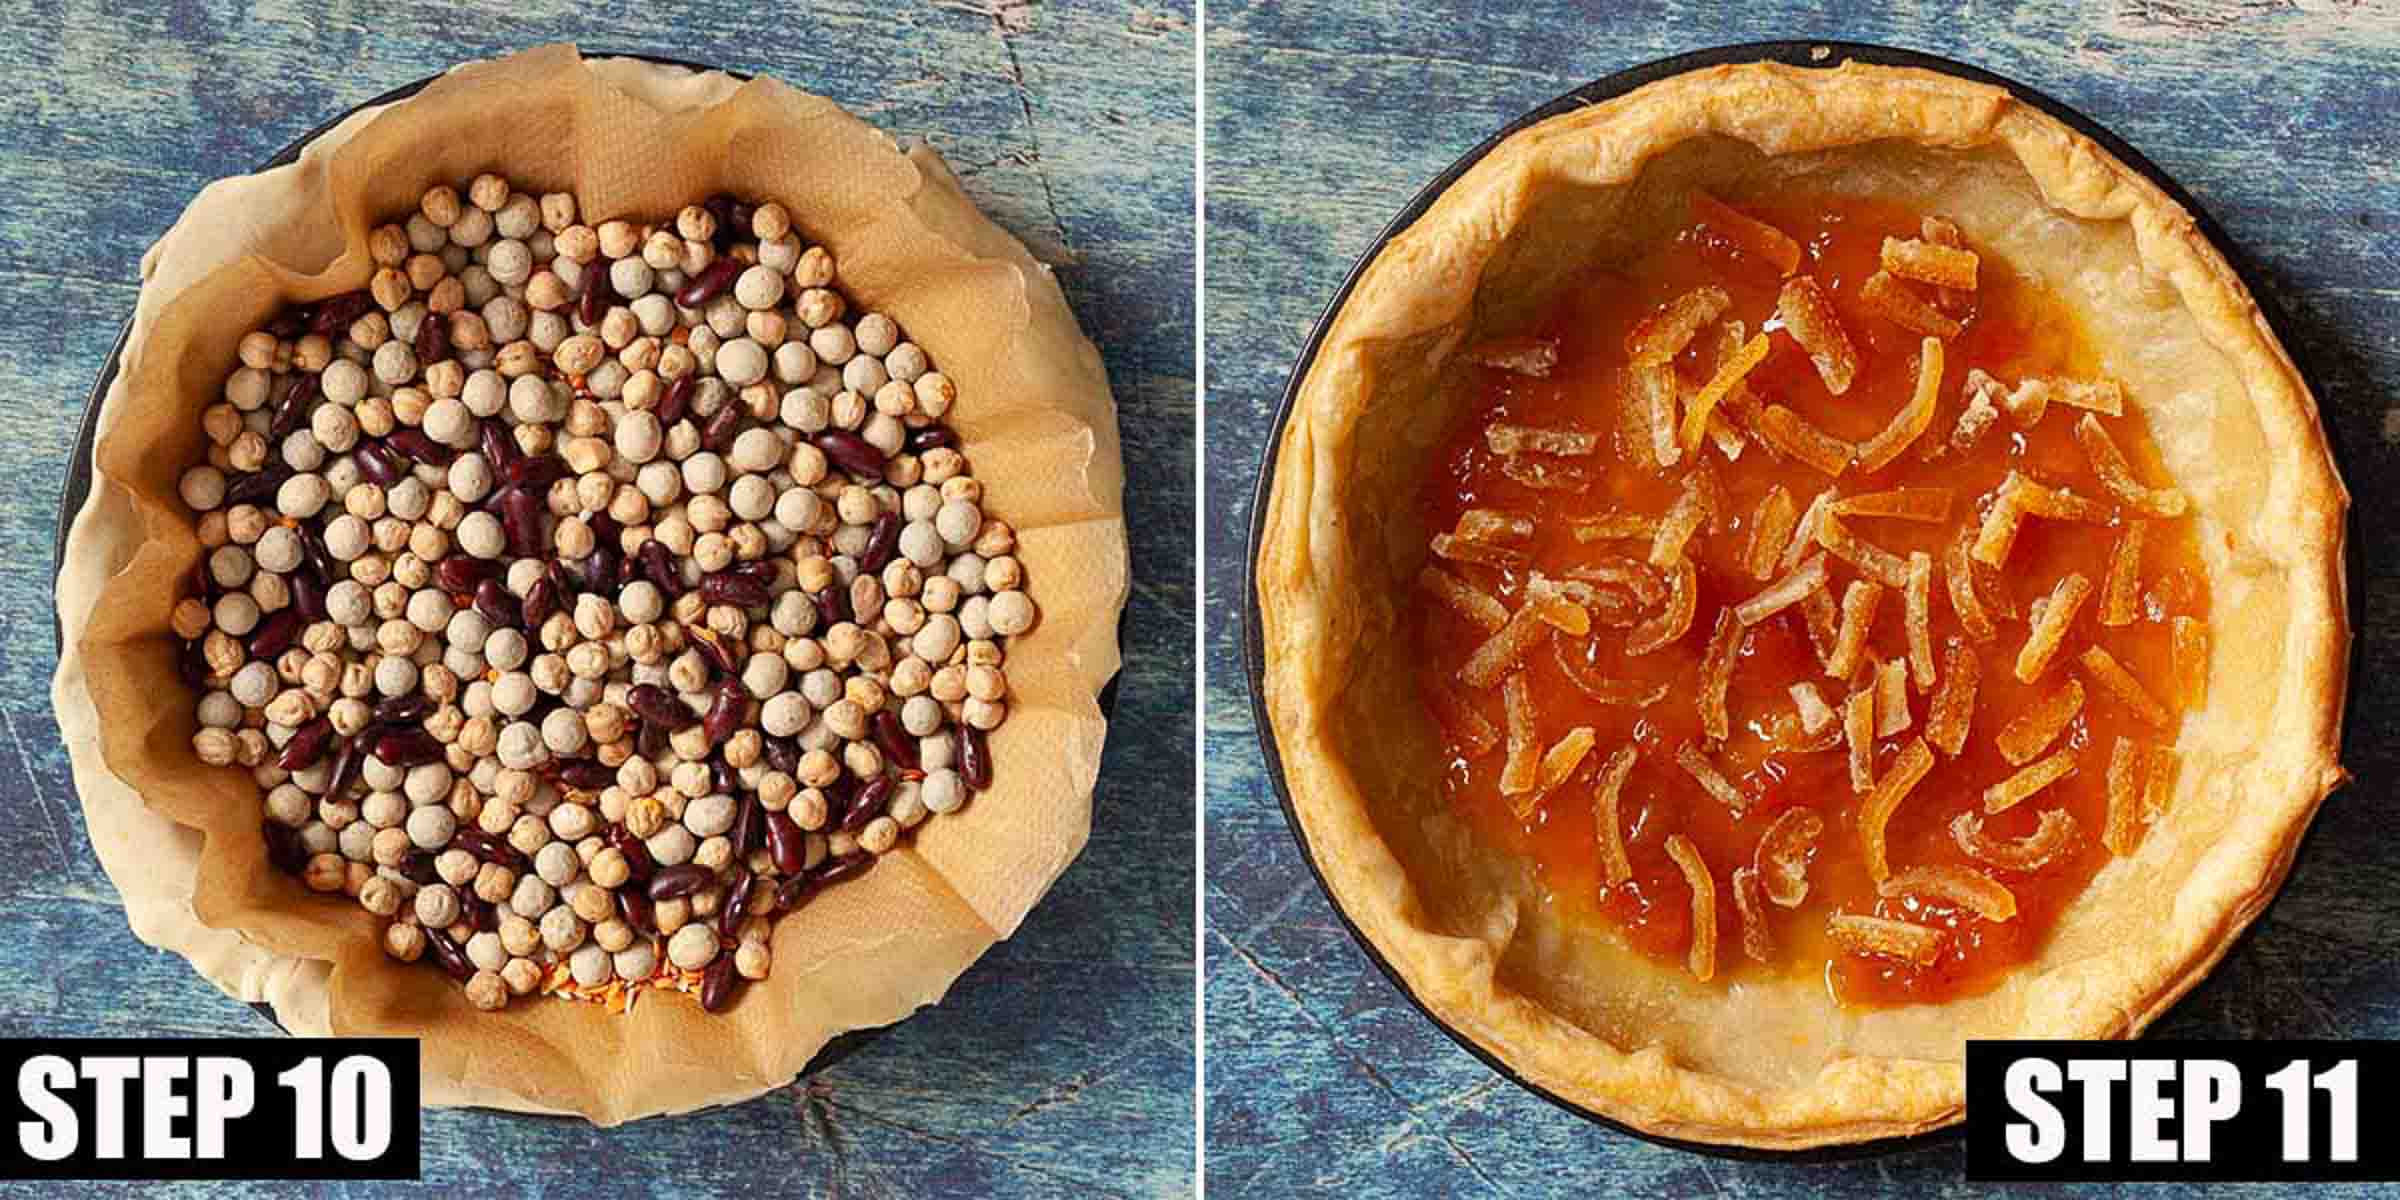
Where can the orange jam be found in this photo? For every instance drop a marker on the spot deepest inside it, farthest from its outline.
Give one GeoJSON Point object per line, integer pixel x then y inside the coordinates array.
{"type": "Point", "coordinates": [2012, 328]}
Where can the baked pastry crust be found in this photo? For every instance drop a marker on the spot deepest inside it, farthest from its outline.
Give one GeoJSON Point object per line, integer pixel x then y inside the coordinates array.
{"type": "Point", "coordinates": [1775, 1065]}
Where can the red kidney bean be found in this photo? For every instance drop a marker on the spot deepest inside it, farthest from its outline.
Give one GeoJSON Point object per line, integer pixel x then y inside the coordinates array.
{"type": "Point", "coordinates": [639, 866]}
{"type": "Point", "coordinates": [725, 713]}
{"type": "Point", "coordinates": [259, 486]}
{"type": "Point", "coordinates": [794, 892]}
{"type": "Point", "coordinates": [734, 588]}
{"type": "Point", "coordinates": [868, 804]}
{"type": "Point", "coordinates": [900, 748]}
{"type": "Point", "coordinates": [406, 747]}
{"type": "Point", "coordinates": [498, 605]}
{"type": "Point", "coordinates": [191, 663]}
{"type": "Point", "coordinates": [848, 866]}
{"type": "Point", "coordinates": [333, 314]}
{"type": "Point", "coordinates": [481, 913]}
{"type": "Point", "coordinates": [433, 339]}
{"type": "Point", "coordinates": [658, 706]}
{"type": "Point", "coordinates": [284, 850]}
{"type": "Point", "coordinates": [463, 572]}
{"type": "Point", "coordinates": [292, 321]}
{"type": "Point", "coordinates": [717, 436]}
{"type": "Point", "coordinates": [561, 578]}
{"type": "Point", "coordinates": [598, 293]}
{"type": "Point", "coordinates": [417, 865]}
{"type": "Point", "coordinates": [718, 984]}
{"type": "Point", "coordinates": [749, 830]}
{"type": "Point", "coordinates": [850, 452]}
{"type": "Point", "coordinates": [308, 744]}
{"type": "Point", "coordinates": [737, 903]}
{"type": "Point", "coordinates": [345, 769]}
{"type": "Point", "coordinates": [315, 560]}
{"type": "Point", "coordinates": [833, 605]}
{"type": "Point", "coordinates": [637, 910]}
{"type": "Point", "coordinates": [651, 741]}
{"type": "Point", "coordinates": [710, 648]}
{"type": "Point", "coordinates": [404, 710]}
{"type": "Point", "coordinates": [308, 596]}
{"type": "Point", "coordinates": [711, 280]}
{"type": "Point", "coordinates": [521, 519]}
{"type": "Point", "coordinates": [786, 843]}
{"type": "Point", "coordinates": [275, 634]}
{"type": "Point", "coordinates": [534, 473]}
{"type": "Point", "coordinates": [604, 570]}
{"type": "Point", "coordinates": [498, 445]}
{"type": "Point", "coordinates": [931, 437]}
{"type": "Point", "coordinates": [489, 848]}
{"type": "Point", "coordinates": [541, 600]}
{"type": "Point", "coordinates": [419, 445]}
{"type": "Point", "coordinates": [883, 541]}
{"type": "Point", "coordinates": [660, 568]}
{"type": "Point", "coordinates": [722, 779]}
{"type": "Point", "coordinates": [379, 463]}
{"type": "Point", "coordinates": [448, 956]}
{"type": "Point", "coordinates": [586, 774]}
{"type": "Point", "coordinates": [677, 401]}
{"type": "Point", "coordinates": [291, 412]}
{"type": "Point", "coordinates": [782, 754]}
{"type": "Point", "coordinates": [720, 205]}
{"type": "Point", "coordinates": [974, 757]}
{"type": "Point", "coordinates": [681, 879]}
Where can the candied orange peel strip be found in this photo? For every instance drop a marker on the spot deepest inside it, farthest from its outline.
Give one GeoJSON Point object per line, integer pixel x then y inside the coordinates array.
{"type": "Point", "coordinates": [1716, 673]}
{"type": "Point", "coordinates": [2104, 669]}
{"type": "Point", "coordinates": [1544, 474]}
{"type": "Point", "coordinates": [1858, 728]}
{"type": "Point", "coordinates": [1675, 619]}
{"type": "Point", "coordinates": [1782, 856]}
{"type": "Point", "coordinates": [2122, 833]}
{"type": "Point", "coordinates": [1753, 236]}
{"type": "Point", "coordinates": [1615, 867]}
{"type": "Point", "coordinates": [1656, 339]}
{"type": "Point", "coordinates": [1942, 231]}
{"type": "Point", "coordinates": [1471, 732]}
{"type": "Point", "coordinates": [1911, 421]}
{"type": "Point", "coordinates": [1891, 299]}
{"type": "Point", "coordinates": [2116, 474]}
{"type": "Point", "coordinates": [1703, 957]}
{"type": "Point", "coordinates": [1976, 419]}
{"type": "Point", "coordinates": [1808, 315]}
{"type": "Point", "coordinates": [2057, 503]}
{"type": "Point", "coordinates": [2120, 596]}
{"type": "Point", "coordinates": [1492, 525]}
{"type": "Point", "coordinates": [1464, 598]}
{"type": "Point", "coordinates": [1996, 535]}
{"type": "Point", "coordinates": [2017, 788]}
{"type": "Point", "coordinates": [1964, 599]}
{"type": "Point", "coordinates": [1881, 937]}
{"type": "Point", "coordinates": [1563, 756]}
{"type": "Point", "coordinates": [2034, 851]}
{"type": "Point", "coordinates": [1522, 769]}
{"type": "Point", "coordinates": [1823, 617]}
{"type": "Point", "coordinates": [1873, 561]}
{"type": "Point", "coordinates": [2105, 396]}
{"type": "Point", "coordinates": [1682, 520]}
{"type": "Point", "coordinates": [1926, 505]}
{"type": "Point", "coordinates": [1614, 527]}
{"type": "Point", "coordinates": [1758, 941]}
{"type": "Point", "coordinates": [1891, 699]}
{"type": "Point", "coordinates": [1917, 599]}
{"type": "Point", "coordinates": [1796, 586]}
{"type": "Point", "coordinates": [1649, 413]}
{"type": "Point", "coordinates": [1729, 375]}
{"type": "Point", "coordinates": [2158, 781]}
{"type": "Point", "coordinates": [1955, 886]}
{"type": "Point", "coordinates": [1695, 763]}
{"type": "Point", "coordinates": [1804, 534]}
{"type": "Point", "coordinates": [1927, 262]}
{"type": "Point", "coordinates": [2024, 738]}
{"type": "Point", "coordinates": [1618, 571]}
{"type": "Point", "coordinates": [1557, 604]}
{"type": "Point", "coordinates": [1624, 692]}
{"type": "Point", "coordinates": [1859, 602]}
{"type": "Point", "coordinates": [1953, 707]}
{"type": "Point", "coordinates": [2190, 652]}
{"type": "Point", "coordinates": [1521, 355]}
{"type": "Point", "coordinates": [2053, 615]}
{"type": "Point", "coordinates": [1875, 812]}
{"type": "Point", "coordinates": [1502, 651]}
{"type": "Point", "coordinates": [1770, 528]}
{"type": "Point", "coordinates": [1505, 438]}
{"type": "Point", "coordinates": [1809, 704]}
{"type": "Point", "coordinates": [1482, 554]}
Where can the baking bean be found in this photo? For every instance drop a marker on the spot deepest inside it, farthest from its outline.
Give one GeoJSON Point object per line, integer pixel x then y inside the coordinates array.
{"type": "Point", "coordinates": [718, 276]}
{"type": "Point", "coordinates": [737, 903]}
{"type": "Point", "coordinates": [897, 745]}
{"type": "Point", "coordinates": [850, 452]}
{"type": "Point", "coordinates": [974, 757]}
{"type": "Point", "coordinates": [718, 984]}
{"type": "Point", "coordinates": [682, 879]}
{"type": "Point", "coordinates": [445, 951]}
{"type": "Point", "coordinates": [786, 843]}
{"type": "Point", "coordinates": [308, 744]}
{"type": "Point", "coordinates": [499, 606]}
{"type": "Point", "coordinates": [275, 634]}
{"type": "Point", "coordinates": [419, 445]}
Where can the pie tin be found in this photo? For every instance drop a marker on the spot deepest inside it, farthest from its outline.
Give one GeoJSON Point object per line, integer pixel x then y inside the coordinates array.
{"type": "Point", "coordinates": [1816, 55]}
{"type": "Point", "coordinates": [79, 483]}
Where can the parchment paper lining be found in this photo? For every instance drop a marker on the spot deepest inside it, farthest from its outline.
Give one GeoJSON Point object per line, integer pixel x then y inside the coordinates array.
{"type": "Point", "coordinates": [637, 140]}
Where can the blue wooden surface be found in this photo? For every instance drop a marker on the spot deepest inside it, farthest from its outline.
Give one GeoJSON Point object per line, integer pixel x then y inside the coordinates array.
{"type": "Point", "coordinates": [1062, 1063]}
{"type": "Point", "coordinates": [1321, 124]}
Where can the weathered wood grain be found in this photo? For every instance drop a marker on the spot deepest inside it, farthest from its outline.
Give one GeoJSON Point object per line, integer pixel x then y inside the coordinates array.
{"type": "Point", "coordinates": [1062, 1063]}
{"type": "Point", "coordinates": [1321, 124]}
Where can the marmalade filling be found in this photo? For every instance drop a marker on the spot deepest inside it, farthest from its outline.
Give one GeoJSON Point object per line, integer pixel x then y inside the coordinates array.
{"type": "Point", "coordinates": [1806, 596]}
